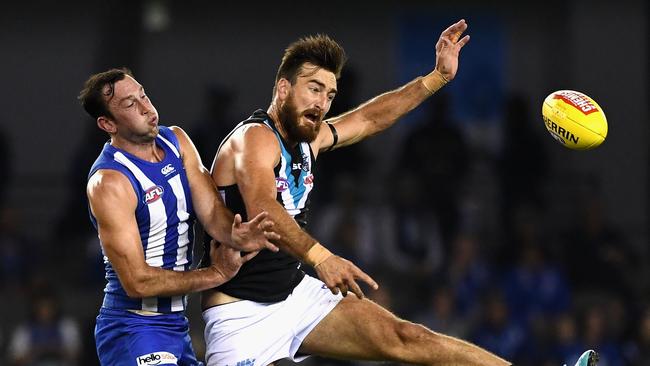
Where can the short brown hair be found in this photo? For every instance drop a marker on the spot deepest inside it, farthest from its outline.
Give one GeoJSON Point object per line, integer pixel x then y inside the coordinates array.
{"type": "Point", "coordinates": [319, 50]}
{"type": "Point", "coordinates": [92, 96]}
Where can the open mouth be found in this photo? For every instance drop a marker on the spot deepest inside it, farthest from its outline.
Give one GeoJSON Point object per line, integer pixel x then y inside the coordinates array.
{"type": "Point", "coordinates": [313, 117]}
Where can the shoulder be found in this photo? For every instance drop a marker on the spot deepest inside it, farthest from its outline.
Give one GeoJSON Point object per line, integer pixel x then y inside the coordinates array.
{"type": "Point", "coordinates": [180, 134]}
{"type": "Point", "coordinates": [255, 136]}
{"type": "Point", "coordinates": [109, 184]}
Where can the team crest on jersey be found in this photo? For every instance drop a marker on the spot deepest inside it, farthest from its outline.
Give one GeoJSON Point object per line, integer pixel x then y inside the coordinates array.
{"type": "Point", "coordinates": [152, 194]}
{"type": "Point", "coordinates": [281, 184]}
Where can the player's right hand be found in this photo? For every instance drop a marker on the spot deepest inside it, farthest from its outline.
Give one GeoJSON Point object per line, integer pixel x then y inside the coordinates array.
{"type": "Point", "coordinates": [226, 260]}
{"type": "Point", "coordinates": [340, 274]}
{"type": "Point", "coordinates": [255, 234]}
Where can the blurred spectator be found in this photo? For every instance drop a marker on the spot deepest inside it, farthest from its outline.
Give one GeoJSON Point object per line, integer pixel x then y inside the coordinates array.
{"type": "Point", "coordinates": [498, 333]}
{"type": "Point", "coordinates": [6, 164]}
{"type": "Point", "coordinates": [469, 274]}
{"type": "Point", "coordinates": [74, 222]}
{"type": "Point", "coordinates": [413, 250]}
{"type": "Point", "coordinates": [215, 124]}
{"type": "Point", "coordinates": [16, 252]}
{"type": "Point", "coordinates": [348, 226]}
{"type": "Point", "coordinates": [535, 289]}
{"type": "Point", "coordinates": [597, 335]}
{"type": "Point", "coordinates": [596, 241]}
{"type": "Point", "coordinates": [566, 346]}
{"type": "Point", "coordinates": [522, 164]}
{"type": "Point", "coordinates": [637, 352]}
{"type": "Point", "coordinates": [47, 338]}
{"type": "Point", "coordinates": [437, 153]}
{"type": "Point", "coordinates": [441, 316]}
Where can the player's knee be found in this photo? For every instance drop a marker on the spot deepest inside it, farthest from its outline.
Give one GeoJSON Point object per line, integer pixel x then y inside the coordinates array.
{"type": "Point", "coordinates": [409, 333]}
{"type": "Point", "coordinates": [401, 337]}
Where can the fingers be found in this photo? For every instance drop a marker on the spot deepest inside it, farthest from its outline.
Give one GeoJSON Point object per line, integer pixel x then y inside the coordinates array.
{"type": "Point", "coordinates": [365, 278]}
{"type": "Point", "coordinates": [462, 42]}
{"type": "Point", "coordinates": [446, 43]}
{"type": "Point", "coordinates": [452, 35]}
{"type": "Point", "coordinates": [266, 225]}
{"type": "Point", "coordinates": [458, 27]}
{"type": "Point", "coordinates": [271, 236]}
{"type": "Point", "coordinates": [354, 287]}
{"type": "Point", "coordinates": [237, 221]}
{"type": "Point", "coordinates": [259, 218]}
{"type": "Point", "coordinates": [344, 289]}
{"type": "Point", "coordinates": [249, 256]}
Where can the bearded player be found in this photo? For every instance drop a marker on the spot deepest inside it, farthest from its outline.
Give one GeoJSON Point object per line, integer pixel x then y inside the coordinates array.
{"type": "Point", "coordinates": [271, 309]}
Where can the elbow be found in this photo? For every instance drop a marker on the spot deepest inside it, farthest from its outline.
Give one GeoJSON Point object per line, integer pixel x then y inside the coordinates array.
{"type": "Point", "coordinates": [134, 291]}
{"type": "Point", "coordinates": [137, 288]}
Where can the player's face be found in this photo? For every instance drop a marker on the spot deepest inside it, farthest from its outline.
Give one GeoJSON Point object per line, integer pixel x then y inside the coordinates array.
{"type": "Point", "coordinates": [308, 101]}
{"type": "Point", "coordinates": [135, 118]}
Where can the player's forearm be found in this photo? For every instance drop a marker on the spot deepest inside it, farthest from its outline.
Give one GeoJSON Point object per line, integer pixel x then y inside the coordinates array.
{"type": "Point", "coordinates": [384, 110]}
{"type": "Point", "coordinates": [294, 240]}
{"type": "Point", "coordinates": [162, 282]}
{"type": "Point", "coordinates": [218, 223]}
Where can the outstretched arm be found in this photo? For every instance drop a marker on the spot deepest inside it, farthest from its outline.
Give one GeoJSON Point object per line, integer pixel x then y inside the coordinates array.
{"type": "Point", "coordinates": [113, 203]}
{"type": "Point", "coordinates": [256, 152]}
{"type": "Point", "coordinates": [217, 220]}
{"type": "Point", "coordinates": [384, 110]}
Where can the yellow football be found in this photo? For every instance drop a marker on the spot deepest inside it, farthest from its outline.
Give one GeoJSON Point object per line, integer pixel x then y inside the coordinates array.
{"type": "Point", "coordinates": [574, 119]}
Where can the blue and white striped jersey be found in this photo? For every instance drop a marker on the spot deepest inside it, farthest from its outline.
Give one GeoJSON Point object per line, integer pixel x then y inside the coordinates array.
{"type": "Point", "coordinates": [164, 214]}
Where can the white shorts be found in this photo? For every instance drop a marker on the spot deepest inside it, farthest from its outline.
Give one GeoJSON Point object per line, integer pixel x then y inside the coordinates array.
{"type": "Point", "coordinates": [247, 333]}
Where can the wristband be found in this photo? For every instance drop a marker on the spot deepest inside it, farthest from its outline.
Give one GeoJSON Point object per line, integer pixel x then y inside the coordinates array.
{"type": "Point", "coordinates": [317, 254]}
{"type": "Point", "coordinates": [434, 81]}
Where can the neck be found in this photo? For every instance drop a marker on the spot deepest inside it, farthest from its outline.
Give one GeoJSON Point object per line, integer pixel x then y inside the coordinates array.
{"type": "Point", "coordinates": [274, 112]}
{"type": "Point", "coordinates": [147, 151]}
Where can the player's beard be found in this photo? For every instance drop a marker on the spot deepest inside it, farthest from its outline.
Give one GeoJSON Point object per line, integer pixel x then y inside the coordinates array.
{"type": "Point", "coordinates": [290, 121]}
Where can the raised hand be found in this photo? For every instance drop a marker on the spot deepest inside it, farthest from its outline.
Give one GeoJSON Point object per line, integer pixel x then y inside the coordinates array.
{"type": "Point", "coordinates": [253, 235]}
{"type": "Point", "coordinates": [340, 274]}
{"type": "Point", "coordinates": [448, 48]}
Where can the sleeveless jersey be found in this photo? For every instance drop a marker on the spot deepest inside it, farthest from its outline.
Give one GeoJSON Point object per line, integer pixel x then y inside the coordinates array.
{"type": "Point", "coordinates": [164, 215]}
{"type": "Point", "coordinates": [269, 276]}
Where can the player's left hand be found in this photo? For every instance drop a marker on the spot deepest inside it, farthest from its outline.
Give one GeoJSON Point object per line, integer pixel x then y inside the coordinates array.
{"type": "Point", "coordinates": [253, 235]}
{"type": "Point", "coordinates": [226, 260]}
{"type": "Point", "coordinates": [341, 275]}
{"type": "Point", "coordinates": [448, 48]}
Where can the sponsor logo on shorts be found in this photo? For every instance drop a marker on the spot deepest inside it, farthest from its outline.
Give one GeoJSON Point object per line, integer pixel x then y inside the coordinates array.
{"type": "Point", "coordinates": [281, 184]}
{"type": "Point", "coordinates": [152, 194]}
{"type": "Point", "coordinates": [246, 362]}
{"type": "Point", "coordinates": [157, 358]}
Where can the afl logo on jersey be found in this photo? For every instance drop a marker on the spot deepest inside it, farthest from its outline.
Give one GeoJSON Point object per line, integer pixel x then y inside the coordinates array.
{"type": "Point", "coordinates": [152, 194]}
{"type": "Point", "coordinates": [281, 184]}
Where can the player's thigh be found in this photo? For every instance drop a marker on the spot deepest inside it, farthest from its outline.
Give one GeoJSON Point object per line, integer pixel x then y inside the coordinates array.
{"type": "Point", "coordinates": [359, 329]}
